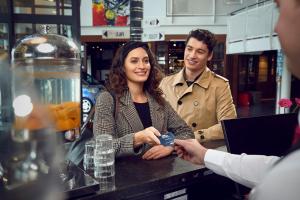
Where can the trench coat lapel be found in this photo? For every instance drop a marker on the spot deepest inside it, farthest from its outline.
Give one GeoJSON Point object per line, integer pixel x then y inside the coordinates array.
{"type": "Point", "coordinates": [180, 86]}
{"type": "Point", "coordinates": [203, 81]}
{"type": "Point", "coordinates": [205, 78]}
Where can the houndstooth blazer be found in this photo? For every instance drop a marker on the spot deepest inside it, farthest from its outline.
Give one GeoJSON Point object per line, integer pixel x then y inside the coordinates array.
{"type": "Point", "coordinates": [125, 122]}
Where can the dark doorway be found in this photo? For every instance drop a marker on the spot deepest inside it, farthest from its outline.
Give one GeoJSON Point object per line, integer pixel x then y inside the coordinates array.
{"type": "Point", "coordinates": [101, 55]}
{"type": "Point", "coordinates": [257, 78]}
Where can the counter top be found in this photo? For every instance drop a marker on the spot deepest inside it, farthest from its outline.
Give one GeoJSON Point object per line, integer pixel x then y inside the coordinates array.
{"type": "Point", "coordinates": [137, 177]}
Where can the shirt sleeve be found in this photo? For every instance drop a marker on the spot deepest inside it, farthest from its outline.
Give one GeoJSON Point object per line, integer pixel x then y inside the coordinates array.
{"type": "Point", "coordinates": [281, 182]}
{"type": "Point", "coordinates": [247, 170]}
{"type": "Point", "coordinates": [105, 123]}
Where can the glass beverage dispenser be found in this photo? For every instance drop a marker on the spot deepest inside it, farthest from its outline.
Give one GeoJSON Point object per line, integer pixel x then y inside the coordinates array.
{"type": "Point", "coordinates": [46, 103]}
{"type": "Point", "coordinates": [47, 67]}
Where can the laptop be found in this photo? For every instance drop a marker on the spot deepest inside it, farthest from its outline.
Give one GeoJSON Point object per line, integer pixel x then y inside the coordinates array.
{"type": "Point", "coordinates": [266, 135]}
{"type": "Point", "coordinates": [263, 135]}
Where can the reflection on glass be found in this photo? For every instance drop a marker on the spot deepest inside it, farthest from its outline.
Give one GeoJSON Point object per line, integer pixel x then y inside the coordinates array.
{"type": "Point", "coordinates": [42, 7]}
{"type": "Point", "coordinates": [22, 10]}
{"type": "Point", "coordinates": [51, 28]}
{"type": "Point", "coordinates": [45, 2]}
{"type": "Point", "coordinates": [107, 183]}
{"type": "Point", "coordinates": [45, 11]}
{"type": "Point", "coordinates": [66, 30]}
{"type": "Point", "coordinates": [66, 12]}
{"type": "Point", "coordinates": [3, 38]}
{"type": "Point", "coordinates": [5, 100]}
{"type": "Point", "coordinates": [22, 6]}
{"type": "Point", "coordinates": [66, 3]}
{"type": "Point", "coordinates": [22, 29]}
{"type": "Point", "coordinates": [3, 7]}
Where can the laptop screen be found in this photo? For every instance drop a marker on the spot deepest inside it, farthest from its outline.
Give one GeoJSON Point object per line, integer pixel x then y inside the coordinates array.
{"type": "Point", "coordinates": [266, 135]}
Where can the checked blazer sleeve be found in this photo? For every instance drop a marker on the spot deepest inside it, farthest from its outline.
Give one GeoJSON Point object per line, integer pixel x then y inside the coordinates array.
{"type": "Point", "coordinates": [105, 123]}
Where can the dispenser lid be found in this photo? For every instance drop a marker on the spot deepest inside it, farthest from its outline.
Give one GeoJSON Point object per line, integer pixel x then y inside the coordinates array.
{"type": "Point", "coordinates": [45, 46]}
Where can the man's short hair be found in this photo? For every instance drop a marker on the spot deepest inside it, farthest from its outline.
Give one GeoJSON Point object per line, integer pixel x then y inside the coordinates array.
{"type": "Point", "coordinates": [204, 36]}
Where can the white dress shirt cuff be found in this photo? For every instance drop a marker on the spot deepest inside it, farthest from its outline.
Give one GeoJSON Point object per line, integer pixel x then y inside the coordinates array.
{"type": "Point", "coordinates": [214, 160]}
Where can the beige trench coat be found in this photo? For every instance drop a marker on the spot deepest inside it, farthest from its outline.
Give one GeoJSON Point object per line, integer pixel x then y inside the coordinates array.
{"type": "Point", "coordinates": [202, 105]}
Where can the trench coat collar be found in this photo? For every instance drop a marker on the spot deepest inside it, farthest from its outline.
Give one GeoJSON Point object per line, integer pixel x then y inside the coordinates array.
{"type": "Point", "coordinates": [202, 81]}
{"type": "Point", "coordinates": [132, 117]}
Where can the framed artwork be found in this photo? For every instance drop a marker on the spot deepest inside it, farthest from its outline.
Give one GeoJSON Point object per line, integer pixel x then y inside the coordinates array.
{"type": "Point", "coordinates": [110, 12]}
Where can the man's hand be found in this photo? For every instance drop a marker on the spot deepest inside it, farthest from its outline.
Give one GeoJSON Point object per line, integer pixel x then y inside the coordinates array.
{"type": "Point", "coordinates": [190, 150]}
{"type": "Point", "coordinates": [157, 152]}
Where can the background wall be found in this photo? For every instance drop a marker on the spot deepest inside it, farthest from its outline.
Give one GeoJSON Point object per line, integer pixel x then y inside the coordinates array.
{"type": "Point", "coordinates": [175, 16]}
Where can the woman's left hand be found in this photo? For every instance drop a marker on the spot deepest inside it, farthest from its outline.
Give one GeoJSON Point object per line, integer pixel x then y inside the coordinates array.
{"type": "Point", "coordinates": [158, 151]}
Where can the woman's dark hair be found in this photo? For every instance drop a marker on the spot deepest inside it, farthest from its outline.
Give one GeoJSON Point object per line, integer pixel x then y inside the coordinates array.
{"type": "Point", "coordinates": [204, 36]}
{"type": "Point", "coordinates": [117, 80]}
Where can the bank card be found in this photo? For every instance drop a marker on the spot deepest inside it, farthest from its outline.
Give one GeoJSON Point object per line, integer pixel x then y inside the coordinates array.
{"type": "Point", "coordinates": [167, 139]}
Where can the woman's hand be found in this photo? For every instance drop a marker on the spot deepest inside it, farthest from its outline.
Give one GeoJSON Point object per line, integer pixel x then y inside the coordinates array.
{"type": "Point", "coordinates": [148, 135]}
{"type": "Point", "coordinates": [157, 152]}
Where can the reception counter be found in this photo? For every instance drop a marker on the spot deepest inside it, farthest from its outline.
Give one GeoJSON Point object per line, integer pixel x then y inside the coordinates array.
{"type": "Point", "coordinates": [167, 178]}
{"type": "Point", "coordinates": [136, 178]}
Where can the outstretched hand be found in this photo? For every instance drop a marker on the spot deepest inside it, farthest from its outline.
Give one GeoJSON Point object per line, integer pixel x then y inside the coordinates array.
{"type": "Point", "coordinates": [190, 150]}
{"type": "Point", "coordinates": [148, 135]}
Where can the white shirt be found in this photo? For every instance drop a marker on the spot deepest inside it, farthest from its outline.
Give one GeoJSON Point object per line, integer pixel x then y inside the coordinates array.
{"type": "Point", "coordinates": [281, 181]}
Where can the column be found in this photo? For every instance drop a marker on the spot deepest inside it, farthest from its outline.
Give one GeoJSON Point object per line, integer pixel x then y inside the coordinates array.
{"type": "Point", "coordinates": [283, 80]}
{"type": "Point", "coordinates": [136, 17]}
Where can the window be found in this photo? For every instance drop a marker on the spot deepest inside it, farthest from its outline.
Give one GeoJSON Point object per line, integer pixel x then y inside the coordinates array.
{"type": "Point", "coordinates": [43, 7]}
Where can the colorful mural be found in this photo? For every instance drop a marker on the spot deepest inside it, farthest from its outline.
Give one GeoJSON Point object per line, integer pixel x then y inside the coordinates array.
{"type": "Point", "coordinates": [110, 12]}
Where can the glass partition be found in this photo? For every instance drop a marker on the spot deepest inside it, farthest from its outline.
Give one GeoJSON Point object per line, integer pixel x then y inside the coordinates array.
{"type": "Point", "coordinates": [22, 29]}
{"type": "Point", "coordinates": [3, 38]}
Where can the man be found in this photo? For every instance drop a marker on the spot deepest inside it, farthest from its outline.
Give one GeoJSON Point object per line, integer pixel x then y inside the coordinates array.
{"type": "Point", "coordinates": [201, 97]}
{"type": "Point", "coordinates": [269, 176]}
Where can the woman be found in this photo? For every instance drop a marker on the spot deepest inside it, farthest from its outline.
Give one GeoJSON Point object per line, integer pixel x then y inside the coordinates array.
{"type": "Point", "coordinates": [140, 114]}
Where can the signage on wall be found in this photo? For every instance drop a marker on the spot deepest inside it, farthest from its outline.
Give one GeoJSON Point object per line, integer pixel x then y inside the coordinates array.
{"type": "Point", "coordinates": [154, 22]}
{"type": "Point", "coordinates": [151, 22]}
{"type": "Point", "coordinates": [114, 34]}
{"type": "Point", "coordinates": [153, 36]}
